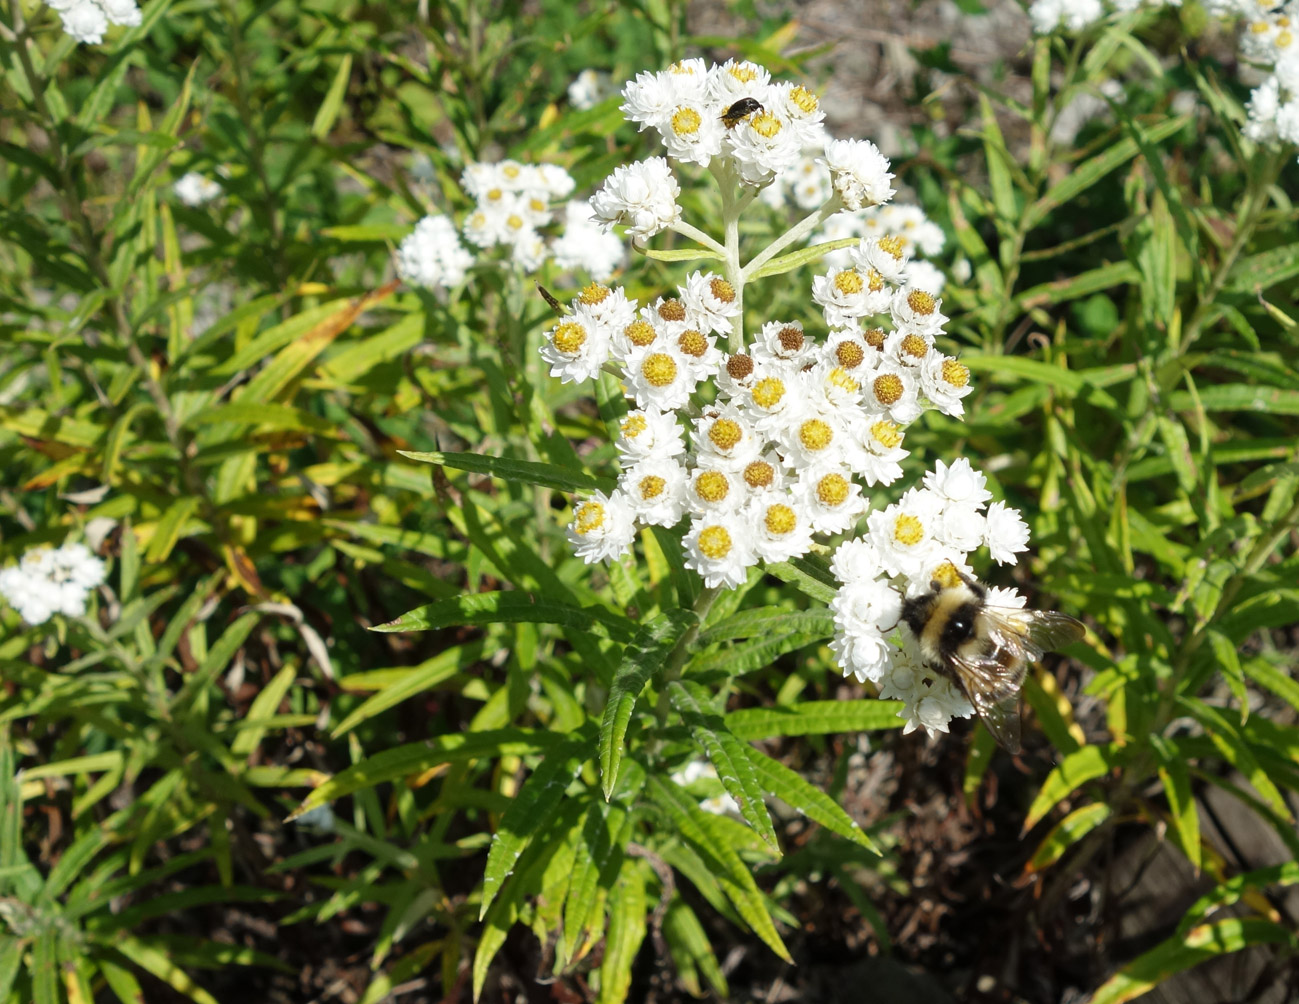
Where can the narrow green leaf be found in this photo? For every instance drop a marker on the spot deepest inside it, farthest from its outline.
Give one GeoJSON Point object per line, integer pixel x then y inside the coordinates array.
{"type": "Point", "coordinates": [725, 752]}
{"type": "Point", "coordinates": [676, 254]}
{"type": "Point", "coordinates": [691, 950]}
{"type": "Point", "coordinates": [1238, 397]}
{"type": "Point", "coordinates": [814, 718]}
{"type": "Point", "coordinates": [1234, 748]}
{"type": "Point", "coordinates": [627, 909]}
{"type": "Point", "coordinates": [512, 607]}
{"type": "Point", "coordinates": [803, 256]}
{"type": "Point", "coordinates": [1068, 832]}
{"type": "Point", "coordinates": [532, 809]}
{"type": "Point", "coordinates": [1181, 799]}
{"type": "Point", "coordinates": [264, 707]}
{"type": "Point", "coordinates": [790, 787]}
{"type": "Point", "coordinates": [157, 962]}
{"type": "Point", "coordinates": [768, 621]}
{"type": "Point", "coordinates": [528, 472]}
{"type": "Point", "coordinates": [168, 529]}
{"type": "Point", "coordinates": [1076, 769]}
{"type": "Point", "coordinates": [1231, 892]}
{"type": "Point", "coordinates": [1182, 952]}
{"type": "Point", "coordinates": [640, 661]}
{"type": "Point", "coordinates": [412, 681]}
{"type": "Point", "coordinates": [414, 758]}
{"type": "Point", "coordinates": [327, 113]}
{"type": "Point", "coordinates": [603, 840]}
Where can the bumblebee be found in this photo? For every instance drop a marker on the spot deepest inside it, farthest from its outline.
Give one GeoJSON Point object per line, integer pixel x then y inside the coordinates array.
{"type": "Point", "coordinates": [740, 111]}
{"type": "Point", "coordinates": [985, 650]}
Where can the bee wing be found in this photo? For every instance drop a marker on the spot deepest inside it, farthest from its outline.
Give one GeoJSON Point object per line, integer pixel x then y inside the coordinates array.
{"type": "Point", "coordinates": [992, 684]}
{"type": "Point", "coordinates": [1032, 632]}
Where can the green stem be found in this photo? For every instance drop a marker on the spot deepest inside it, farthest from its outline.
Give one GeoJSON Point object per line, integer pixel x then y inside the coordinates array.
{"type": "Point", "coordinates": [795, 233]}
{"type": "Point", "coordinates": [676, 660]}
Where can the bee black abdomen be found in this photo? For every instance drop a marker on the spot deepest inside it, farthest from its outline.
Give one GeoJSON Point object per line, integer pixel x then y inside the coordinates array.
{"type": "Point", "coordinates": [915, 612]}
{"type": "Point", "coordinates": [959, 628]}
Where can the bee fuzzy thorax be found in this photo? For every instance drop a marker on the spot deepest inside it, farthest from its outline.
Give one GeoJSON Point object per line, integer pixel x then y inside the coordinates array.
{"type": "Point", "coordinates": [944, 619]}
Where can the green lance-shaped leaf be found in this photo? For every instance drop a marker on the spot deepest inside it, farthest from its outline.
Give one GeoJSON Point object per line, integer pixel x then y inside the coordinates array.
{"type": "Point", "coordinates": [801, 257]}
{"type": "Point", "coordinates": [808, 576]}
{"type": "Point", "coordinates": [694, 825]}
{"type": "Point", "coordinates": [1176, 778]}
{"type": "Point", "coordinates": [691, 950]}
{"type": "Point", "coordinates": [643, 656]}
{"type": "Point", "coordinates": [766, 621]}
{"type": "Point", "coordinates": [528, 472]}
{"type": "Point", "coordinates": [600, 848]}
{"type": "Point", "coordinates": [726, 753]}
{"type": "Point", "coordinates": [1068, 832]}
{"type": "Point", "coordinates": [787, 785]}
{"type": "Point", "coordinates": [414, 758]}
{"type": "Point", "coordinates": [814, 718]}
{"type": "Point", "coordinates": [677, 254]}
{"type": "Point", "coordinates": [1077, 768]}
{"type": "Point", "coordinates": [627, 904]}
{"type": "Point", "coordinates": [533, 807]}
{"type": "Point", "coordinates": [1234, 889]}
{"type": "Point", "coordinates": [513, 607]}
{"type": "Point", "coordinates": [1181, 952]}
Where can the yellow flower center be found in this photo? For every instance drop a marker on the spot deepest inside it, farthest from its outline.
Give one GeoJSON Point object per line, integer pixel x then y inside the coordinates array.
{"type": "Point", "coordinates": [1283, 39]}
{"type": "Point", "coordinates": [804, 100]}
{"type": "Point", "coordinates": [874, 338]}
{"type": "Point", "coordinates": [725, 433]}
{"type": "Point", "coordinates": [495, 195]}
{"type": "Point", "coordinates": [839, 377]}
{"type": "Point", "coordinates": [594, 293]}
{"type": "Point", "coordinates": [686, 121]}
{"type": "Point", "coordinates": [712, 486]}
{"type": "Point", "coordinates": [921, 302]}
{"type": "Point", "coordinates": [767, 392]}
{"type": "Point", "coordinates": [780, 520]}
{"type": "Point", "coordinates": [682, 68]}
{"type": "Point", "coordinates": [766, 125]}
{"type": "Point", "coordinates": [722, 290]}
{"type": "Point", "coordinates": [914, 346]}
{"type": "Point", "coordinates": [672, 310]}
{"type": "Point", "coordinates": [895, 246]}
{"type": "Point", "coordinates": [759, 474]}
{"type": "Point", "coordinates": [908, 530]}
{"type": "Point", "coordinates": [714, 542]}
{"type": "Point", "coordinates": [651, 486]}
{"type": "Point", "coordinates": [589, 518]}
{"type": "Point", "coordinates": [640, 333]}
{"type": "Point", "coordinates": [659, 369]}
{"type": "Point", "coordinates": [956, 374]}
{"type": "Point", "coordinates": [1259, 27]}
{"type": "Point", "coordinates": [815, 434]}
{"type": "Point", "coordinates": [849, 355]}
{"type": "Point", "coordinates": [946, 575]}
{"type": "Point", "coordinates": [849, 282]}
{"type": "Point", "coordinates": [693, 343]}
{"type": "Point", "coordinates": [832, 490]}
{"type": "Point", "coordinates": [875, 280]}
{"type": "Point", "coordinates": [536, 205]}
{"type": "Point", "coordinates": [886, 434]}
{"type": "Point", "coordinates": [745, 73]}
{"type": "Point", "coordinates": [790, 338]}
{"type": "Point", "coordinates": [569, 337]}
{"type": "Point", "coordinates": [633, 425]}
{"type": "Point", "coordinates": [888, 389]}
{"type": "Point", "coordinates": [511, 171]}
{"type": "Point", "coordinates": [739, 366]}
{"type": "Point", "coordinates": [514, 221]}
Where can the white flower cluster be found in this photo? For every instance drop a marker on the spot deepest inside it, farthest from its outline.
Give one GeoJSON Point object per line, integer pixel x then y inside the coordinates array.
{"type": "Point", "coordinates": [87, 20]}
{"type": "Point", "coordinates": [589, 88]}
{"type": "Point", "coordinates": [702, 776]}
{"type": "Point", "coordinates": [1075, 15]}
{"type": "Point", "coordinates": [909, 224]}
{"type": "Point", "coordinates": [193, 189]}
{"type": "Point", "coordinates": [926, 535]}
{"type": "Point", "coordinates": [50, 581]}
{"type": "Point", "coordinates": [513, 203]}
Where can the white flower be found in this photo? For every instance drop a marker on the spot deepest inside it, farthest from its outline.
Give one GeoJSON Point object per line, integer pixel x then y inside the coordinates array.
{"type": "Point", "coordinates": [867, 605]}
{"type": "Point", "coordinates": [577, 347]}
{"type": "Point", "coordinates": [933, 708]}
{"type": "Point", "coordinates": [692, 133]}
{"type": "Point", "coordinates": [608, 305]}
{"type": "Point", "coordinates": [432, 256]}
{"type": "Point", "coordinates": [724, 437]}
{"type": "Point", "coordinates": [49, 581]}
{"type": "Point", "coordinates": [814, 437]}
{"type": "Point", "coordinates": [774, 398]}
{"type": "Point", "coordinates": [781, 529]}
{"type": "Point", "coordinates": [588, 89]}
{"type": "Point", "coordinates": [656, 491]}
{"type": "Point", "coordinates": [835, 388]}
{"type": "Point", "coordinates": [849, 349]}
{"type": "Point", "coordinates": [832, 499]}
{"type": "Point", "coordinates": [918, 310]}
{"type": "Point", "coordinates": [763, 145]}
{"type": "Point", "coordinates": [892, 389]}
{"type": "Point", "coordinates": [641, 196]}
{"type": "Point", "coordinates": [648, 99]}
{"type": "Point", "coordinates": [1003, 596]}
{"type": "Point", "coordinates": [735, 79]}
{"type": "Point", "coordinates": [905, 533]}
{"type": "Point", "coordinates": [710, 301]}
{"type": "Point", "coordinates": [887, 255]}
{"type": "Point", "coordinates": [945, 382]}
{"type": "Point", "coordinates": [959, 482]}
{"type": "Point", "coordinates": [926, 275]}
{"type": "Point", "coordinates": [528, 250]}
{"type": "Point", "coordinates": [123, 12]}
{"type": "Point", "coordinates": [603, 527]}
{"type": "Point", "coordinates": [714, 490]}
{"type": "Point", "coordinates": [719, 546]}
{"type": "Point", "coordinates": [585, 244]}
{"type": "Point", "coordinates": [649, 434]}
{"type": "Point", "coordinates": [764, 476]}
{"type": "Point", "coordinates": [784, 341]}
{"type": "Point", "coordinates": [85, 21]}
{"type": "Point", "coordinates": [856, 560]}
{"type": "Point", "coordinates": [659, 378]}
{"type": "Point", "coordinates": [858, 172]}
{"type": "Point", "coordinates": [874, 449]}
{"type": "Point", "coordinates": [1072, 15]}
{"type": "Point", "coordinates": [910, 348]}
{"type": "Point", "coordinates": [193, 189]}
{"type": "Point", "coordinates": [845, 295]}
{"type": "Point", "coordinates": [1007, 533]}
{"type": "Point", "coordinates": [554, 181]}
{"type": "Point", "coordinates": [961, 526]}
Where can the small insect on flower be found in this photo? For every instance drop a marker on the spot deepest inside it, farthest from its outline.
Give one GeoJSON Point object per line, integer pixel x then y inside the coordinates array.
{"type": "Point", "coordinates": [740, 111]}
{"type": "Point", "coordinates": [984, 649]}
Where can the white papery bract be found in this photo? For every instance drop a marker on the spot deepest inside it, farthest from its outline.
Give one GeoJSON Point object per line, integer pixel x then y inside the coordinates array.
{"type": "Point", "coordinates": [656, 491]}
{"type": "Point", "coordinates": [710, 301]}
{"type": "Point", "coordinates": [588, 89]}
{"type": "Point", "coordinates": [859, 173]}
{"type": "Point", "coordinates": [49, 581]}
{"type": "Point", "coordinates": [641, 196]}
{"type": "Point", "coordinates": [1006, 534]}
{"type": "Point", "coordinates": [87, 20]}
{"type": "Point", "coordinates": [719, 546]}
{"type": "Point", "coordinates": [577, 347]}
{"type": "Point", "coordinates": [603, 527]}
